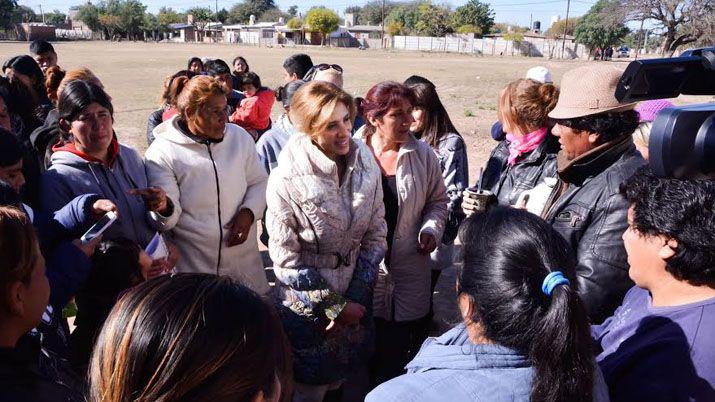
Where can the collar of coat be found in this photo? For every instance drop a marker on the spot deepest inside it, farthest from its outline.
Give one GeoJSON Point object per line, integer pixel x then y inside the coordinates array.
{"type": "Point", "coordinates": [320, 161]}
{"type": "Point", "coordinates": [592, 162]}
{"type": "Point", "coordinates": [409, 146]}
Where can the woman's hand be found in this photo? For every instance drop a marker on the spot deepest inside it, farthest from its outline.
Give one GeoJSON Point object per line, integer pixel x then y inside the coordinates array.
{"type": "Point", "coordinates": [427, 243]}
{"type": "Point", "coordinates": [239, 227]}
{"type": "Point", "coordinates": [101, 207]}
{"type": "Point", "coordinates": [154, 198]}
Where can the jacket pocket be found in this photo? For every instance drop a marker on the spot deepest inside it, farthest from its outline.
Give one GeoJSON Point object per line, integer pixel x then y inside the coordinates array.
{"type": "Point", "coordinates": [571, 222]}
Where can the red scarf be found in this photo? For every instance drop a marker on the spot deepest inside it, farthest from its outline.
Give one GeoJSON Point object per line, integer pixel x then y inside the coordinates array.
{"type": "Point", "coordinates": [70, 147]}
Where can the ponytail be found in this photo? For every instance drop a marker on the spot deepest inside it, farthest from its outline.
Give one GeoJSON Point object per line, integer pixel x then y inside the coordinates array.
{"type": "Point", "coordinates": [53, 77]}
{"type": "Point", "coordinates": [549, 94]}
{"type": "Point", "coordinates": [175, 87]}
{"type": "Point", "coordinates": [561, 351]}
{"type": "Point", "coordinates": [522, 303]}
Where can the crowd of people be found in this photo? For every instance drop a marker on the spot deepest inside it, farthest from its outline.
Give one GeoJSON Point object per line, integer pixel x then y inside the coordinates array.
{"type": "Point", "coordinates": [583, 276]}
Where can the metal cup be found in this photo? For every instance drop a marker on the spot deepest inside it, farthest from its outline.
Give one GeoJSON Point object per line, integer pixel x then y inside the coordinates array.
{"type": "Point", "coordinates": [480, 200]}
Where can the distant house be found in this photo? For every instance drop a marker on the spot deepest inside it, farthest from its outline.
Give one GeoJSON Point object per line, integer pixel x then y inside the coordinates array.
{"type": "Point", "coordinates": [35, 30]}
{"type": "Point", "coordinates": [257, 32]}
{"type": "Point", "coordinates": [182, 32]}
{"type": "Point", "coordinates": [191, 31]}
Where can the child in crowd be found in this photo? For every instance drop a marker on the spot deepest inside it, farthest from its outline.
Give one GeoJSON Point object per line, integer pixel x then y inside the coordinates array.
{"type": "Point", "coordinates": [254, 114]}
{"type": "Point", "coordinates": [117, 265]}
{"type": "Point", "coordinates": [44, 54]}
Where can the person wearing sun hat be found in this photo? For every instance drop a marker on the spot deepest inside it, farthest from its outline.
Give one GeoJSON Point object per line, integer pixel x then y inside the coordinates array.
{"type": "Point", "coordinates": [597, 155]}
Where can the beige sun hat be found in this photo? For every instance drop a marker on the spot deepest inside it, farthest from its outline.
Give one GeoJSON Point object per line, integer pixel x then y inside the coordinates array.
{"type": "Point", "coordinates": [587, 91]}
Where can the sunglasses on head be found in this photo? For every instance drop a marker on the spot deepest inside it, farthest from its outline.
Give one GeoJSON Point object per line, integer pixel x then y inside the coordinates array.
{"type": "Point", "coordinates": [324, 66]}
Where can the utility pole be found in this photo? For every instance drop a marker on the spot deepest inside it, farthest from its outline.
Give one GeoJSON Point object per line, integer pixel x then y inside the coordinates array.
{"type": "Point", "coordinates": [217, 9]}
{"type": "Point", "coordinates": [382, 24]}
{"type": "Point", "coordinates": [531, 21]}
{"type": "Point", "coordinates": [42, 14]}
{"type": "Point", "coordinates": [566, 25]}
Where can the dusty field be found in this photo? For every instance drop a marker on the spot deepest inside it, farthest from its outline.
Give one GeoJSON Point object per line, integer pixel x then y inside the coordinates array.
{"type": "Point", "coordinates": [133, 75]}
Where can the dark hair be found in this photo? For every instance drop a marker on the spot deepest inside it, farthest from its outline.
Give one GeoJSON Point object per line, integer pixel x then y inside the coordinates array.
{"type": "Point", "coordinates": [75, 97]}
{"type": "Point", "coordinates": [115, 268]}
{"type": "Point", "coordinates": [8, 196]}
{"type": "Point", "coordinates": [217, 67]}
{"type": "Point", "coordinates": [683, 210]}
{"type": "Point", "coordinates": [40, 46]}
{"type": "Point", "coordinates": [243, 60]}
{"type": "Point", "coordinates": [192, 60]}
{"type": "Point", "coordinates": [189, 337]}
{"type": "Point", "coordinates": [437, 121]}
{"type": "Point", "coordinates": [381, 97]}
{"type": "Point", "coordinates": [284, 93]}
{"type": "Point", "coordinates": [507, 253]}
{"type": "Point", "coordinates": [26, 65]}
{"type": "Point", "coordinates": [609, 125]}
{"type": "Point", "coordinates": [20, 102]}
{"type": "Point", "coordinates": [10, 149]}
{"type": "Point", "coordinates": [298, 64]}
{"type": "Point", "coordinates": [18, 248]}
{"type": "Point", "coordinates": [251, 78]}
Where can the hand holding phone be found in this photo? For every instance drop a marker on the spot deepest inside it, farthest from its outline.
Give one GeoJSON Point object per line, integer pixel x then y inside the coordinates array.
{"type": "Point", "coordinates": [98, 228]}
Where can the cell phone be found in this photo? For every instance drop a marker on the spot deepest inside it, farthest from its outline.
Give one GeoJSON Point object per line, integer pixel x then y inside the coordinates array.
{"type": "Point", "coordinates": [98, 228]}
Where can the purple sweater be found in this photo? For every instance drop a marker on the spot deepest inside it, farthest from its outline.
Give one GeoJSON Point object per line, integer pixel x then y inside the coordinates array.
{"type": "Point", "coordinates": [658, 353]}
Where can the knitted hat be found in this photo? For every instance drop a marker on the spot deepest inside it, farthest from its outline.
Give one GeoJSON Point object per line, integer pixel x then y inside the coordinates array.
{"type": "Point", "coordinates": [648, 109]}
{"type": "Point", "coordinates": [540, 74]}
{"type": "Point", "coordinates": [589, 90]}
{"type": "Point", "coordinates": [10, 149]}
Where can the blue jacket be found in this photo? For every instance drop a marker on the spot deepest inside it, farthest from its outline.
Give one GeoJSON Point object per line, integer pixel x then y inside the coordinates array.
{"type": "Point", "coordinates": [71, 175]}
{"type": "Point", "coordinates": [452, 368]}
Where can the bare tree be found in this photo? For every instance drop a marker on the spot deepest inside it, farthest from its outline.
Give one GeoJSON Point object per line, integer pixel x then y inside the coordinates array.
{"type": "Point", "coordinates": [683, 21]}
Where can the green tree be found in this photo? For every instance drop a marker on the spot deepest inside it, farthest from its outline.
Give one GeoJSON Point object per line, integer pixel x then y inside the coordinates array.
{"type": "Point", "coordinates": [240, 13]}
{"type": "Point", "coordinates": [55, 18]}
{"type": "Point", "coordinates": [515, 37]}
{"type": "Point", "coordinates": [394, 28]}
{"type": "Point", "coordinates": [273, 15]}
{"type": "Point", "coordinates": [474, 14]}
{"type": "Point", "coordinates": [433, 20]}
{"type": "Point", "coordinates": [323, 20]}
{"type": "Point", "coordinates": [222, 16]}
{"type": "Point", "coordinates": [131, 17]}
{"type": "Point", "coordinates": [556, 30]}
{"type": "Point", "coordinates": [167, 15]}
{"type": "Point", "coordinates": [371, 12]}
{"type": "Point", "coordinates": [89, 14]}
{"type": "Point", "coordinates": [151, 25]}
{"type": "Point", "coordinates": [295, 23]}
{"type": "Point", "coordinates": [26, 14]}
{"type": "Point", "coordinates": [406, 16]}
{"type": "Point", "coordinates": [293, 10]}
{"type": "Point", "coordinates": [598, 28]}
{"type": "Point", "coordinates": [202, 17]}
{"type": "Point", "coordinates": [7, 13]}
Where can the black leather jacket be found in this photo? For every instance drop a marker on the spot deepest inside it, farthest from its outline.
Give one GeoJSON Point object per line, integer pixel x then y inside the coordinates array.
{"type": "Point", "coordinates": [508, 182]}
{"type": "Point", "coordinates": [592, 215]}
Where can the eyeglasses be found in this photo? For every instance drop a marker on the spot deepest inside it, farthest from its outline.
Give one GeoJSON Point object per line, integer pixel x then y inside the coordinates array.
{"type": "Point", "coordinates": [324, 66]}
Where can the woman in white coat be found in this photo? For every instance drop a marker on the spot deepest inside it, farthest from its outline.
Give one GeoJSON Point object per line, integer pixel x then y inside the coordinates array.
{"type": "Point", "coordinates": [211, 172]}
{"type": "Point", "coordinates": [415, 200]}
{"type": "Point", "coordinates": [325, 219]}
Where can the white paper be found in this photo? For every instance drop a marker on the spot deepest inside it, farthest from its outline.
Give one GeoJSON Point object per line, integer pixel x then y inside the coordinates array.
{"type": "Point", "coordinates": [156, 248]}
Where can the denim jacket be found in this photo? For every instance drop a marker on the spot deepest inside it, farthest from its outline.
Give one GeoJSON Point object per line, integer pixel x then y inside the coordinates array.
{"type": "Point", "coordinates": [452, 368]}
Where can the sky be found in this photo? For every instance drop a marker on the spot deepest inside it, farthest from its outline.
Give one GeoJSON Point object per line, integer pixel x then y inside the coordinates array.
{"type": "Point", "coordinates": [519, 12]}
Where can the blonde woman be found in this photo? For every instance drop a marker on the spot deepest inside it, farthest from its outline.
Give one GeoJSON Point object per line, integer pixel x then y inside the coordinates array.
{"type": "Point", "coordinates": [211, 173]}
{"type": "Point", "coordinates": [325, 219]}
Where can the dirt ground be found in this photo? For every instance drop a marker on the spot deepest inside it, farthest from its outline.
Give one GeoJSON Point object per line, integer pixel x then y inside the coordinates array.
{"type": "Point", "coordinates": [133, 75]}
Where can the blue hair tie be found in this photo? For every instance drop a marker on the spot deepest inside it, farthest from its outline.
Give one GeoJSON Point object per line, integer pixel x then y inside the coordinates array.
{"type": "Point", "coordinates": [553, 280]}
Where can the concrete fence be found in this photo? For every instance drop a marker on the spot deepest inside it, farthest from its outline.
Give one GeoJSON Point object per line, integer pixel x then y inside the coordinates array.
{"type": "Point", "coordinates": [530, 47]}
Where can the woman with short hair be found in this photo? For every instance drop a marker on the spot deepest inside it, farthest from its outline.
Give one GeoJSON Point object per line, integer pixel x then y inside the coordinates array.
{"type": "Point", "coordinates": [325, 219]}
{"type": "Point", "coordinates": [212, 175]}
{"type": "Point", "coordinates": [200, 338]}
{"type": "Point", "coordinates": [415, 201]}
{"type": "Point", "coordinates": [524, 335]}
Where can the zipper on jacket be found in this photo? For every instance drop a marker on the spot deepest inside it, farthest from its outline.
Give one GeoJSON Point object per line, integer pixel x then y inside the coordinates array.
{"type": "Point", "coordinates": [218, 197]}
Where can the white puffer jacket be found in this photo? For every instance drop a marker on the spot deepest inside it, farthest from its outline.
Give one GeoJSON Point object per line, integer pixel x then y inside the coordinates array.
{"type": "Point", "coordinates": [208, 182]}
{"type": "Point", "coordinates": [319, 229]}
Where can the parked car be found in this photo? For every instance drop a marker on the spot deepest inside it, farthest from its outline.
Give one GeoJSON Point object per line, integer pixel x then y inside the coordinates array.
{"type": "Point", "coordinates": [623, 51]}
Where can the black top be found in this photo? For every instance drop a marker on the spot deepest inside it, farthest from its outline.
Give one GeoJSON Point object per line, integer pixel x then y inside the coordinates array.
{"type": "Point", "coordinates": [392, 207]}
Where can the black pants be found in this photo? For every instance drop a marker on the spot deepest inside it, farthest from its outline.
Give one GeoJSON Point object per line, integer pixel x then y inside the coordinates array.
{"type": "Point", "coordinates": [396, 344]}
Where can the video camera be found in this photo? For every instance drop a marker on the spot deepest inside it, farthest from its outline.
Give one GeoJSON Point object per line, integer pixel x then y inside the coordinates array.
{"type": "Point", "coordinates": [682, 139]}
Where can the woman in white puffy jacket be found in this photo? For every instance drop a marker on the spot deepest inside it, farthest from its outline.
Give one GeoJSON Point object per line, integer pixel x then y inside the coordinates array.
{"type": "Point", "coordinates": [211, 172]}
{"type": "Point", "coordinates": [325, 220]}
